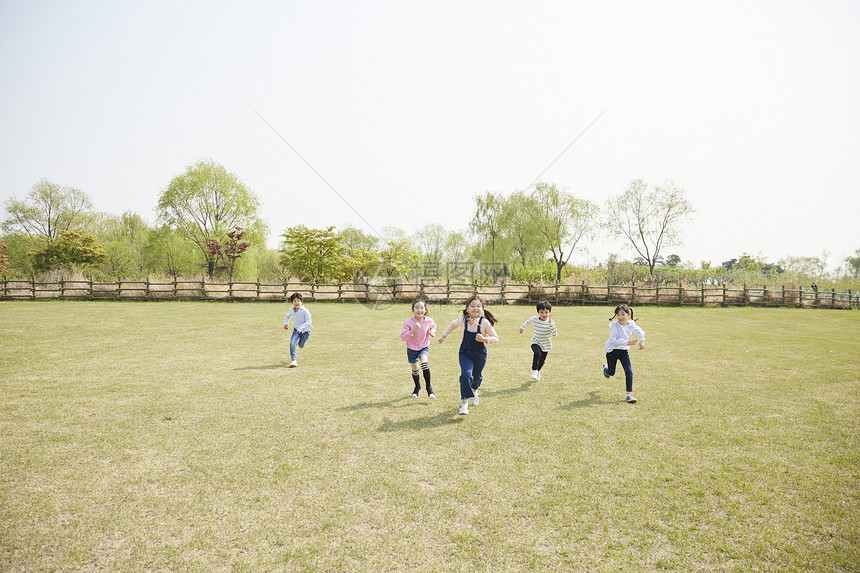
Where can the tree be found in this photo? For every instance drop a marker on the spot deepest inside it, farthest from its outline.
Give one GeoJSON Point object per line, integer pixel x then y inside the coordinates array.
{"type": "Point", "coordinates": [398, 258]}
{"type": "Point", "coordinates": [71, 250]}
{"type": "Point", "coordinates": [170, 251]}
{"type": "Point", "coordinates": [853, 264]}
{"type": "Point", "coordinates": [4, 260]}
{"type": "Point", "coordinates": [650, 219]}
{"type": "Point", "coordinates": [562, 221]}
{"type": "Point", "coordinates": [431, 240]}
{"type": "Point", "coordinates": [311, 254]}
{"type": "Point", "coordinates": [234, 248]}
{"type": "Point", "coordinates": [488, 225]}
{"type": "Point", "coordinates": [523, 229]}
{"type": "Point", "coordinates": [361, 258]}
{"type": "Point", "coordinates": [124, 239]}
{"type": "Point", "coordinates": [48, 209]}
{"type": "Point", "coordinates": [206, 202]}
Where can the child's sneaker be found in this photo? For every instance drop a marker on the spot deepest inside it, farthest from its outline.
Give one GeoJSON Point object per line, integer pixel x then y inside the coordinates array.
{"type": "Point", "coordinates": [430, 393]}
{"type": "Point", "coordinates": [464, 407]}
{"type": "Point", "coordinates": [605, 371]}
{"type": "Point", "coordinates": [630, 399]}
{"type": "Point", "coordinates": [535, 375]}
{"type": "Point", "coordinates": [293, 364]}
{"type": "Point", "coordinates": [538, 373]}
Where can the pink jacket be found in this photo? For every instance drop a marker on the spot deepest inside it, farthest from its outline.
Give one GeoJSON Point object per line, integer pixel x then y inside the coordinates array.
{"type": "Point", "coordinates": [421, 338]}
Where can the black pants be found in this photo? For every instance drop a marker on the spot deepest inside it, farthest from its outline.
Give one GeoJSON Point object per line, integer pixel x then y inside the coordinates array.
{"type": "Point", "coordinates": [624, 357]}
{"type": "Point", "coordinates": [539, 357]}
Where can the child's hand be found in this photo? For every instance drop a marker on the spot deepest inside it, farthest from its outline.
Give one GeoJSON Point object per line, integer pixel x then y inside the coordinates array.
{"type": "Point", "coordinates": [286, 327]}
{"type": "Point", "coordinates": [521, 331]}
{"type": "Point", "coordinates": [480, 337]}
{"type": "Point", "coordinates": [441, 339]}
{"type": "Point", "coordinates": [641, 345]}
{"type": "Point", "coordinates": [415, 328]}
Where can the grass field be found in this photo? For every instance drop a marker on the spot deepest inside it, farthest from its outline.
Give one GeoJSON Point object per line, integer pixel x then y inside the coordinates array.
{"type": "Point", "coordinates": [172, 436]}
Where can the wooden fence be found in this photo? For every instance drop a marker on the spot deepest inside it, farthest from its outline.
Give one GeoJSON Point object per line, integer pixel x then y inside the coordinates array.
{"type": "Point", "coordinates": [439, 292]}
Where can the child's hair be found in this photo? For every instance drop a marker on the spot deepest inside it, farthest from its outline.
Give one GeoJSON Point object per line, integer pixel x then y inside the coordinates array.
{"type": "Point", "coordinates": [417, 300]}
{"type": "Point", "coordinates": [544, 305]}
{"type": "Point", "coordinates": [295, 296]}
{"type": "Point", "coordinates": [493, 320]}
{"type": "Point", "coordinates": [625, 308]}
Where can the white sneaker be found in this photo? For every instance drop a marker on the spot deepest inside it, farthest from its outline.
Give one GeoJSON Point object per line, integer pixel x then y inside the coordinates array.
{"type": "Point", "coordinates": [464, 408]}
{"type": "Point", "coordinates": [630, 399]}
{"type": "Point", "coordinates": [432, 396]}
{"type": "Point", "coordinates": [535, 375]}
{"type": "Point", "coordinates": [293, 364]}
{"type": "Point", "coordinates": [538, 373]}
{"type": "Point", "coordinates": [475, 398]}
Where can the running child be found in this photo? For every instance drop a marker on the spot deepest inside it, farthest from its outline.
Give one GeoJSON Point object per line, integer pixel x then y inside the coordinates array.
{"type": "Point", "coordinates": [620, 329]}
{"type": "Point", "coordinates": [416, 332]}
{"type": "Point", "coordinates": [301, 325]}
{"type": "Point", "coordinates": [544, 329]}
{"type": "Point", "coordinates": [478, 333]}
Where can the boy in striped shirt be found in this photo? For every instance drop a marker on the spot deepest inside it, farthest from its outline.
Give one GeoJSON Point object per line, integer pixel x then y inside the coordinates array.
{"type": "Point", "coordinates": [544, 328]}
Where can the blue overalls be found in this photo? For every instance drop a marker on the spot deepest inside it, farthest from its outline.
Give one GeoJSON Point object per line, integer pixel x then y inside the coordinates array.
{"type": "Point", "coordinates": [473, 357]}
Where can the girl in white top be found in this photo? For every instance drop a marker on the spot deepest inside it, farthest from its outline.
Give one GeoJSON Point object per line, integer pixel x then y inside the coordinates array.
{"type": "Point", "coordinates": [620, 329]}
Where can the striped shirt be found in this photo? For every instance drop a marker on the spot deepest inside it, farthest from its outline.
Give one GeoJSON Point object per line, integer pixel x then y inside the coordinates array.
{"type": "Point", "coordinates": [544, 329]}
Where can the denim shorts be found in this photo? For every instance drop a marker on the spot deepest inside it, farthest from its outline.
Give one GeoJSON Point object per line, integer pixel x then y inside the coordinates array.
{"type": "Point", "coordinates": [412, 355]}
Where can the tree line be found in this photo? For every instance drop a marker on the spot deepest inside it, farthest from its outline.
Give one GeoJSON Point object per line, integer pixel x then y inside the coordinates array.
{"type": "Point", "coordinates": [208, 222]}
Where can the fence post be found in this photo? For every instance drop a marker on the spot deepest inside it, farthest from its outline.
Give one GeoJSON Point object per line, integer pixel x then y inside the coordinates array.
{"type": "Point", "coordinates": [502, 292]}
{"type": "Point", "coordinates": [583, 292]}
{"type": "Point", "coordinates": [703, 294]}
{"type": "Point", "coordinates": [313, 289]}
{"type": "Point", "coordinates": [146, 292]}
{"type": "Point", "coordinates": [556, 292]}
{"type": "Point", "coordinates": [448, 290]}
{"type": "Point", "coordinates": [833, 298]}
{"type": "Point", "coordinates": [680, 293]}
{"type": "Point", "coordinates": [366, 290]}
{"type": "Point", "coordinates": [783, 295]}
{"type": "Point", "coordinates": [633, 292]}
{"type": "Point", "coordinates": [657, 295]}
{"type": "Point", "coordinates": [258, 289]}
{"type": "Point", "coordinates": [230, 288]}
{"type": "Point", "coordinates": [62, 287]}
{"type": "Point", "coordinates": [174, 287]}
{"type": "Point", "coordinates": [33, 287]}
{"type": "Point", "coordinates": [339, 289]}
{"type": "Point", "coordinates": [746, 295]}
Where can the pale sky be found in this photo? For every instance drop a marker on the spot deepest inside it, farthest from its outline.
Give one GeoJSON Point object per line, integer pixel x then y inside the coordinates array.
{"type": "Point", "coordinates": [408, 110]}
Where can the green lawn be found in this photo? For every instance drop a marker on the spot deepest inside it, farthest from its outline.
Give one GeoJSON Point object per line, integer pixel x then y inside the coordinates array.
{"type": "Point", "coordinates": [172, 436]}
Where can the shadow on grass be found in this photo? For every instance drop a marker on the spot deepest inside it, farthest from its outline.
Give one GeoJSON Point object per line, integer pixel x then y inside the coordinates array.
{"type": "Point", "coordinates": [278, 366]}
{"type": "Point", "coordinates": [509, 391]}
{"type": "Point", "coordinates": [393, 403]}
{"type": "Point", "coordinates": [592, 400]}
{"type": "Point", "coordinates": [445, 418]}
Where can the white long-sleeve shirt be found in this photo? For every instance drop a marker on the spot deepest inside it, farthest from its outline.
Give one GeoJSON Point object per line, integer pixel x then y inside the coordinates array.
{"type": "Point", "coordinates": [619, 334]}
{"type": "Point", "coordinates": [301, 319]}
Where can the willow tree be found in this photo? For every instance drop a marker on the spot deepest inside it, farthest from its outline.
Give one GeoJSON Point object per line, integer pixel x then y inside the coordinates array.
{"type": "Point", "coordinates": [562, 220]}
{"type": "Point", "coordinates": [206, 202]}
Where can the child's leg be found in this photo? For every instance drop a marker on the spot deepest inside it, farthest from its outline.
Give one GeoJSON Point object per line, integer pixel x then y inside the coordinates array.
{"type": "Point", "coordinates": [480, 360]}
{"type": "Point", "coordinates": [628, 370]}
{"type": "Point", "coordinates": [425, 370]}
{"type": "Point", "coordinates": [611, 359]}
{"type": "Point", "coordinates": [303, 337]}
{"type": "Point", "coordinates": [294, 339]}
{"type": "Point", "coordinates": [536, 358]}
{"type": "Point", "coordinates": [466, 368]}
{"type": "Point", "coordinates": [542, 360]}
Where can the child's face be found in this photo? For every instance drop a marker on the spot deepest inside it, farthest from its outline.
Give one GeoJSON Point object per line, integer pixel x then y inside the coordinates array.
{"type": "Point", "coordinates": [621, 316]}
{"type": "Point", "coordinates": [475, 308]}
{"type": "Point", "coordinates": [297, 303]}
{"type": "Point", "coordinates": [419, 309]}
{"type": "Point", "coordinates": [543, 314]}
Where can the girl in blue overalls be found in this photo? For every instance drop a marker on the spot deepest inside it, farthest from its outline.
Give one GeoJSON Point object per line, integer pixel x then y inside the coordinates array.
{"type": "Point", "coordinates": [478, 332]}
